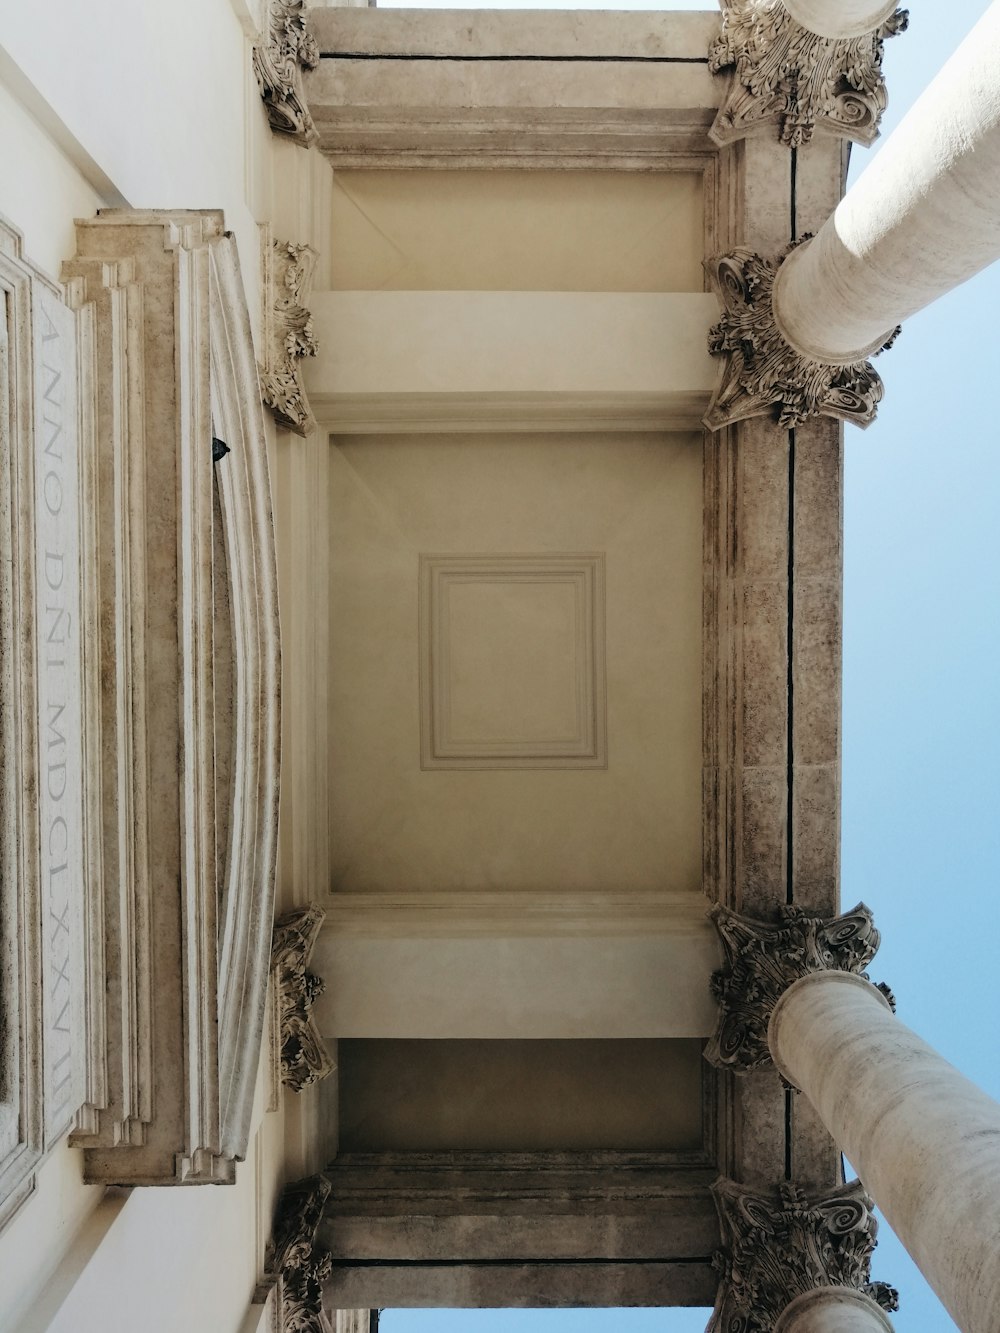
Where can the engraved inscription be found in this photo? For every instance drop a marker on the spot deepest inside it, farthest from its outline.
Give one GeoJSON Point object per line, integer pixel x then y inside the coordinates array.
{"type": "Point", "coordinates": [59, 711]}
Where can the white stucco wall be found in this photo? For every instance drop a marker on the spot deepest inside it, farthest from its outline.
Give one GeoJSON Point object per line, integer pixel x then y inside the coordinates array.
{"type": "Point", "coordinates": [145, 105]}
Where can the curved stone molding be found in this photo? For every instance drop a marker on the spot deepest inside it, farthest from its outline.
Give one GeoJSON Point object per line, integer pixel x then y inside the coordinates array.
{"type": "Point", "coordinates": [763, 374]}
{"type": "Point", "coordinates": [304, 1056]}
{"type": "Point", "coordinates": [299, 1268]}
{"type": "Point", "coordinates": [763, 958]}
{"type": "Point", "coordinates": [253, 717]}
{"type": "Point", "coordinates": [288, 330]}
{"type": "Point", "coordinates": [782, 1244]}
{"type": "Point", "coordinates": [284, 51]}
{"type": "Point", "coordinates": [785, 75]}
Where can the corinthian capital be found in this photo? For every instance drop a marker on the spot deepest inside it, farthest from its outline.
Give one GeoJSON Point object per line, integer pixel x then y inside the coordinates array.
{"type": "Point", "coordinates": [763, 958]}
{"type": "Point", "coordinates": [293, 1259]}
{"type": "Point", "coordinates": [783, 74]}
{"type": "Point", "coordinates": [285, 49]}
{"type": "Point", "coordinates": [287, 270]}
{"type": "Point", "coordinates": [304, 1057]}
{"type": "Point", "coordinates": [763, 373]}
{"type": "Point", "coordinates": [781, 1244]}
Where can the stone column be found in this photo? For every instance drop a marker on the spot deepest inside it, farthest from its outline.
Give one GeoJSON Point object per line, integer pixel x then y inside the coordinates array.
{"type": "Point", "coordinates": [925, 1140]}
{"type": "Point", "coordinates": [840, 18]}
{"type": "Point", "coordinates": [924, 217]}
{"type": "Point", "coordinates": [833, 1310]}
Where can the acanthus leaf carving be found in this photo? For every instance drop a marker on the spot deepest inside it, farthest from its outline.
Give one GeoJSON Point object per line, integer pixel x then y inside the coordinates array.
{"type": "Point", "coordinates": [294, 1260]}
{"type": "Point", "coordinates": [763, 958]}
{"type": "Point", "coordinates": [279, 58]}
{"type": "Point", "coordinates": [781, 1244]}
{"type": "Point", "coordinates": [763, 373]}
{"type": "Point", "coordinates": [784, 74]}
{"type": "Point", "coordinates": [304, 1055]}
{"type": "Point", "coordinates": [288, 330]}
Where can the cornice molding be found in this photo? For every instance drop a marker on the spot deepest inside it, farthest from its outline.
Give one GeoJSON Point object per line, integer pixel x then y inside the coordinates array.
{"type": "Point", "coordinates": [781, 1244]}
{"type": "Point", "coordinates": [287, 270]}
{"type": "Point", "coordinates": [763, 373]}
{"type": "Point", "coordinates": [281, 55]}
{"type": "Point", "coordinates": [764, 958]}
{"type": "Point", "coordinates": [782, 74]}
{"type": "Point", "coordinates": [303, 1053]}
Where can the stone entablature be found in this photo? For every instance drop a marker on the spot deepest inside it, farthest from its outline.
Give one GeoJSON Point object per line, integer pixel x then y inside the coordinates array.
{"type": "Point", "coordinates": [186, 667]}
{"type": "Point", "coordinates": [783, 75]}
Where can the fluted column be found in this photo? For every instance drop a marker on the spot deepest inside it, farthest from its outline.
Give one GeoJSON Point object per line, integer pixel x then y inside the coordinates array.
{"type": "Point", "coordinates": [924, 217]}
{"type": "Point", "coordinates": [925, 1141]}
{"type": "Point", "coordinates": [833, 1310]}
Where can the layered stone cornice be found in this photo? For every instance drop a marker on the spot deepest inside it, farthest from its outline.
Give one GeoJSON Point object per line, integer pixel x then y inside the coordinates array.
{"type": "Point", "coordinates": [764, 958]}
{"type": "Point", "coordinates": [763, 372]}
{"type": "Point", "coordinates": [780, 1245]}
{"type": "Point", "coordinates": [784, 75]}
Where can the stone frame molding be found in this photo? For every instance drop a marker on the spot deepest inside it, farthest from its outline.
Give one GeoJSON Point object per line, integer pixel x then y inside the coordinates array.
{"type": "Point", "coordinates": [783, 75]}
{"type": "Point", "coordinates": [280, 56]}
{"type": "Point", "coordinates": [763, 374]}
{"type": "Point", "coordinates": [187, 600]}
{"type": "Point", "coordinates": [287, 272]}
{"type": "Point", "coordinates": [780, 1245]}
{"type": "Point", "coordinates": [301, 1051]}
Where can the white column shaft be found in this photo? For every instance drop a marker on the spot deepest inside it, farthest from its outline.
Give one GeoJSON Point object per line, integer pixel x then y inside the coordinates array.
{"type": "Point", "coordinates": [833, 1310]}
{"type": "Point", "coordinates": [840, 18]}
{"type": "Point", "coordinates": [923, 1139]}
{"type": "Point", "coordinates": [924, 216]}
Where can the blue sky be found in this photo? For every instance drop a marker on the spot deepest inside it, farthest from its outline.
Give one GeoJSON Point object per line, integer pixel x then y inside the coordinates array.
{"type": "Point", "coordinates": [921, 837]}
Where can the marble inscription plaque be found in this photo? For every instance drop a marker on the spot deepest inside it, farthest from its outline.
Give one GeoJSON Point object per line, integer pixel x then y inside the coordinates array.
{"type": "Point", "coordinates": [59, 683]}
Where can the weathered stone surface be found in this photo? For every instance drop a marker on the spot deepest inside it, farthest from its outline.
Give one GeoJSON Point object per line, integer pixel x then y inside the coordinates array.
{"type": "Point", "coordinates": [784, 75]}
{"type": "Point", "coordinates": [784, 1243]}
{"type": "Point", "coordinates": [763, 958]}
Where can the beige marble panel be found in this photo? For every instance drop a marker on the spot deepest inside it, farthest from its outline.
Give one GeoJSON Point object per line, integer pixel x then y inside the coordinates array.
{"type": "Point", "coordinates": [635, 825]}
{"type": "Point", "coordinates": [564, 231]}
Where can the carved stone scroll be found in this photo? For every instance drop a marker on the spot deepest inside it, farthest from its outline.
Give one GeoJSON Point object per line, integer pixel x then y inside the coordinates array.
{"type": "Point", "coordinates": [782, 1244]}
{"type": "Point", "coordinates": [304, 1056]}
{"type": "Point", "coordinates": [785, 75]}
{"type": "Point", "coordinates": [279, 58]}
{"type": "Point", "coordinates": [288, 330]}
{"type": "Point", "coordinates": [294, 1261]}
{"type": "Point", "coordinates": [763, 958]}
{"type": "Point", "coordinates": [763, 373]}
